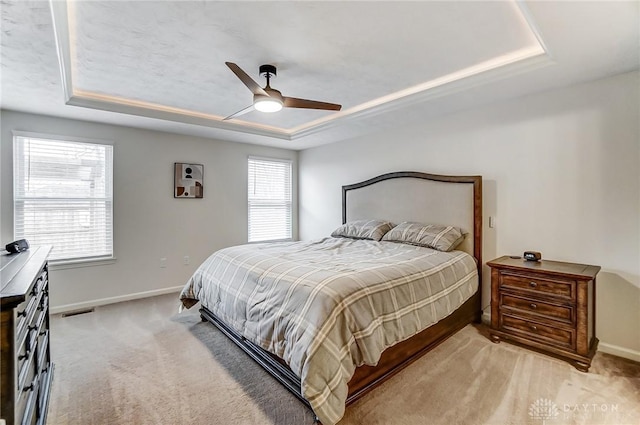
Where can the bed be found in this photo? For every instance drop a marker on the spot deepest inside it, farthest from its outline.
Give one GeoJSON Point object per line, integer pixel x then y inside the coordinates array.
{"type": "Point", "coordinates": [333, 318]}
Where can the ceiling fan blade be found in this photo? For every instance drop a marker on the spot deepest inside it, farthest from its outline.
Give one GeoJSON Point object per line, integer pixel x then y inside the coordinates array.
{"type": "Point", "coordinates": [293, 102]}
{"type": "Point", "coordinates": [248, 81]}
{"type": "Point", "coordinates": [240, 112]}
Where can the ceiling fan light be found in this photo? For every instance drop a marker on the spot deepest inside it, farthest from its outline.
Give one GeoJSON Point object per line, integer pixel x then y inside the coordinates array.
{"type": "Point", "coordinates": [268, 104]}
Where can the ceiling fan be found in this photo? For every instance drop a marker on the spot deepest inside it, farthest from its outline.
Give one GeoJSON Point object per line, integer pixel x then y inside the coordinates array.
{"type": "Point", "coordinates": [267, 99]}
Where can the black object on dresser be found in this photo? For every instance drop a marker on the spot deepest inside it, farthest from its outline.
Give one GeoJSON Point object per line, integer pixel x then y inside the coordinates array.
{"type": "Point", "coordinates": [25, 363]}
{"type": "Point", "coordinates": [546, 305]}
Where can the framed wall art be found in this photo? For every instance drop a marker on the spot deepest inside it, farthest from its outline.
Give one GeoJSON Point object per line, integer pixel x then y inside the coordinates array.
{"type": "Point", "coordinates": [187, 180]}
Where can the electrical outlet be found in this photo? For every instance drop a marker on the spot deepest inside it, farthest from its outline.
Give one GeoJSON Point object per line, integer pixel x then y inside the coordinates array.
{"type": "Point", "coordinates": [492, 222]}
{"type": "Point", "coordinates": [186, 260]}
{"type": "Point", "coordinates": [163, 262]}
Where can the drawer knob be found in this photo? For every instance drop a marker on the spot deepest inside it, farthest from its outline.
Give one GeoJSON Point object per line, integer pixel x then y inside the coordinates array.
{"type": "Point", "coordinates": [533, 284]}
{"type": "Point", "coordinates": [533, 327]}
{"type": "Point", "coordinates": [533, 306]}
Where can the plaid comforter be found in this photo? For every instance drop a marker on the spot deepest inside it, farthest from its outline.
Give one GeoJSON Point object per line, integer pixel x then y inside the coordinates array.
{"type": "Point", "coordinates": [330, 305]}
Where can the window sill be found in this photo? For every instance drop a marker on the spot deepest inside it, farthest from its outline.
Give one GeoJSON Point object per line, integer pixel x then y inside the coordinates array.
{"type": "Point", "coordinates": [272, 240]}
{"type": "Point", "coordinates": [83, 262]}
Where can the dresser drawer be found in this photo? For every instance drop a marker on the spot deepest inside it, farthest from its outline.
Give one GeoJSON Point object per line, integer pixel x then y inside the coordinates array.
{"type": "Point", "coordinates": [533, 285]}
{"type": "Point", "coordinates": [29, 396]}
{"type": "Point", "coordinates": [26, 359]}
{"type": "Point", "coordinates": [22, 400]}
{"type": "Point", "coordinates": [24, 316]}
{"type": "Point", "coordinates": [41, 314]}
{"type": "Point", "coordinates": [43, 360]}
{"type": "Point", "coordinates": [535, 308]}
{"type": "Point", "coordinates": [533, 330]}
{"type": "Point", "coordinates": [41, 282]}
{"type": "Point", "coordinates": [43, 391]}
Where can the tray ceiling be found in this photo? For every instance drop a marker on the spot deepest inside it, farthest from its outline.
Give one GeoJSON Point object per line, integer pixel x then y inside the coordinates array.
{"type": "Point", "coordinates": [161, 64]}
{"type": "Point", "coordinates": [169, 57]}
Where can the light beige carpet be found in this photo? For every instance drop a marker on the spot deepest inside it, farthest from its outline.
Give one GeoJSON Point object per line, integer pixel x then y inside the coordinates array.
{"type": "Point", "coordinates": [141, 362]}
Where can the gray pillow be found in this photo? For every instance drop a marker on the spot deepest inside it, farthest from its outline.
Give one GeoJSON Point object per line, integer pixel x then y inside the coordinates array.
{"type": "Point", "coordinates": [435, 236]}
{"type": "Point", "coordinates": [363, 229]}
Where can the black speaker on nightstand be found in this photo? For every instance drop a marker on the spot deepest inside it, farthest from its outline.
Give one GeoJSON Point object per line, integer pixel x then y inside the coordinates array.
{"type": "Point", "coordinates": [17, 246]}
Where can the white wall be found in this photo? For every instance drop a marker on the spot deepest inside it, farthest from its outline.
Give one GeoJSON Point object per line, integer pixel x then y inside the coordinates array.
{"type": "Point", "coordinates": [148, 222]}
{"type": "Point", "coordinates": [561, 176]}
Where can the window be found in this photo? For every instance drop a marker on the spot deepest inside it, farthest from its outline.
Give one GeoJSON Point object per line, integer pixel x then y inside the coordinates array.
{"type": "Point", "coordinates": [63, 196]}
{"type": "Point", "coordinates": [269, 199]}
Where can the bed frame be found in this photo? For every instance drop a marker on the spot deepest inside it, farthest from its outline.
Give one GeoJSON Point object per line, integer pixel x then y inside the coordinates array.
{"type": "Point", "coordinates": [399, 196]}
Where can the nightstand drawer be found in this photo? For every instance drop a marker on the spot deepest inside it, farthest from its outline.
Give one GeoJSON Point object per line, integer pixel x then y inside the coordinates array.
{"type": "Point", "coordinates": [536, 285]}
{"type": "Point", "coordinates": [537, 331]}
{"type": "Point", "coordinates": [536, 308]}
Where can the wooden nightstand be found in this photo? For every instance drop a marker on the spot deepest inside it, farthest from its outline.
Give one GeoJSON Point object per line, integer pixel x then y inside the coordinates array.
{"type": "Point", "coordinates": [546, 305]}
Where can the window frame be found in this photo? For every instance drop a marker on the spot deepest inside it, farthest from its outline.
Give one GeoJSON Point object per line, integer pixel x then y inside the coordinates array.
{"type": "Point", "coordinates": [289, 162]}
{"type": "Point", "coordinates": [59, 264]}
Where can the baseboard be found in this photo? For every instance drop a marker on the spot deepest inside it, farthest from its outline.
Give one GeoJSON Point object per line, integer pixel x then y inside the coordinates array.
{"type": "Point", "coordinates": [104, 301]}
{"type": "Point", "coordinates": [619, 351]}
{"type": "Point", "coordinates": [486, 318]}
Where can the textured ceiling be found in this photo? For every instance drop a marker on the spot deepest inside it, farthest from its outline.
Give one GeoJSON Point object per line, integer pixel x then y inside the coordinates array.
{"type": "Point", "coordinates": [160, 64]}
{"type": "Point", "coordinates": [348, 53]}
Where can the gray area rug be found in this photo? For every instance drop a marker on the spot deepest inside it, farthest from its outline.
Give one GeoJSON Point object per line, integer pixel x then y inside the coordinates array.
{"type": "Point", "coordinates": [140, 362]}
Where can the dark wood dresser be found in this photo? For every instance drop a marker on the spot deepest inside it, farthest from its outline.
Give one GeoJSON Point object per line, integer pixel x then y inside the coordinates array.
{"type": "Point", "coordinates": [546, 305]}
{"type": "Point", "coordinates": [25, 364]}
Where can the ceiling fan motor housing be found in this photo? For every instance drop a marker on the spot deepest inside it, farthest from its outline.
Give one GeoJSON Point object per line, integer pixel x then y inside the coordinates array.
{"type": "Point", "coordinates": [268, 71]}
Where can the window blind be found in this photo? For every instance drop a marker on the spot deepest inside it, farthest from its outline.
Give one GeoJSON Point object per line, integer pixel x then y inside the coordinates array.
{"type": "Point", "coordinates": [269, 197]}
{"type": "Point", "coordinates": [63, 196]}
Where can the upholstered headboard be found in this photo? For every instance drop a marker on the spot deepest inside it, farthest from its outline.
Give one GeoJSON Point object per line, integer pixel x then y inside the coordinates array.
{"type": "Point", "coordinates": [421, 197]}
